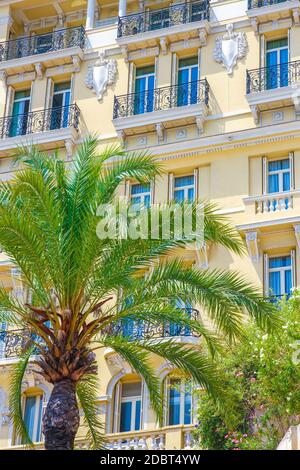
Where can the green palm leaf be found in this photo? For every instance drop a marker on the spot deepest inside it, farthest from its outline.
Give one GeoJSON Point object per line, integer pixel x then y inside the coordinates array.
{"type": "Point", "coordinates": [87, 394]}
{"type": "Point", "coordinates": [15, 397]}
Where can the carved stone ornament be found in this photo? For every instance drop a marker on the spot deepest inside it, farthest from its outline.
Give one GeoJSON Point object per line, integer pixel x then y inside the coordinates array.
{"type": "Point", "coordinates": [101, 74]}
{"type": "Point", "coordinates": [229, 48]}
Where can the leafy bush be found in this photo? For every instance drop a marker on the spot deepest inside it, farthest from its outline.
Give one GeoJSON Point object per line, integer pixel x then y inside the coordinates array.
{"type": "Point", "coordinates": [261, 377]}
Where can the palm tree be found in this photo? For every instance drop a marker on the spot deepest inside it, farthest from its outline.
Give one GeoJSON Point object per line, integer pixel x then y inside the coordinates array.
{"type": "Point", "coordinates": [80, 286]}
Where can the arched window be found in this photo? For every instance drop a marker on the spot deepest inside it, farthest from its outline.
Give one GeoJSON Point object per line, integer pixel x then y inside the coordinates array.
{"type": "Point", "coordinates": [32, 415]}
{"type": "Point", "coordinates": [128, 406]}
{"type": "Point", "coordinates": [178, 394]}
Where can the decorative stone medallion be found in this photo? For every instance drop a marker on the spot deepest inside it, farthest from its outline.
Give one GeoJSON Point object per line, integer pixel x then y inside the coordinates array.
{"type": "Point", "coordinates": [101, 74]}
{"type": "Point", "coordinates": [230, 48]}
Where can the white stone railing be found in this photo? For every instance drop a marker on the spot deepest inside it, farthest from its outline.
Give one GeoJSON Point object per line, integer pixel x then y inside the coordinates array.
{"type": "Point", "coordinates": [171, 437]}
{"type": "Point", "coordinates": [144, 440]}
{"type": "Point", "coordinates": [291, 440]}
{"type": "Point", "coordinates": [189, 442]}
{"type": "Point", "coordinates": [153, 441]}
{"type": "Point", "coordinates": [273, 202]}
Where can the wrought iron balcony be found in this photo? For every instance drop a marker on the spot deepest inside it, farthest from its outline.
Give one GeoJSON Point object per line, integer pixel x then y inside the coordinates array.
{"type": "Point", "coordinates": [163, 18]}
{"type": "Point", "coordinates": [39, 121]}
{"type": "Point", "coordinates": [138, 330]}
{"type": "Point", "coordinates": [13, 343]}
{"type": "Point", "coordinates": [262, 3]}
{"type": "Point", "coordinates": [160, 99]}
{"type": "Point", "coordinates": [42, 43]}
{"type": "Point", "coordinates": [275, 76]}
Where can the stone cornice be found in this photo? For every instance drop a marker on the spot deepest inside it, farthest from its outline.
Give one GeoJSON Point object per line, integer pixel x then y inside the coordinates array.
{"type": "Point", "coordinates": [234, 140]}
{"type": "Point", "coordinates": [268, 223]}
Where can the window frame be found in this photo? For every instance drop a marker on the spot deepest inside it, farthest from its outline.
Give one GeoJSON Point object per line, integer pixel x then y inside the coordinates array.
{"type": "Point", "coordinates": [185, 188]}
{"type": "Point", "coordinates": [277, 48]}
{"type": "Point", "coordinates": [144, 76]}
{"type": "Point", "coordinates": [38, 414]}
{"type": "Point", "coordinates": [265, 173]}
{"type": "Point", "coordinates": [280, 174]}
{"type": "Point", "coordinates": [142, 195]}
{"type": "Point", "coordinates": [131, 399]}
{"type": "Point", "coordinates": [182, 388]}
{"type": "Point", "coordinates": [282, 270]}
{"type": "Point", "coordinates": [188, 67]}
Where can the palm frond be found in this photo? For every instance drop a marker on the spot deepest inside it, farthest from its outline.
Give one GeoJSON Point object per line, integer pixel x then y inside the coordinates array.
{"type": "Point", "coordinates": [11, 310]}
{"type": "Point", "coordinates": [86, 390]}
{"type": "Point", "coordinates": [139, 359]}
{"type": "Point", "coordinates": [218, 229]}
{"type": "Point", "coordinates": [155, 316]}
{"type": "Point", "coordinates": [15, 397]}
{"type": "Point", "coordinates": [190, 360]}
{"type": "Point", "coordinates": [224, 295]}
{"type": "Point", "coordinates": [139, 166]}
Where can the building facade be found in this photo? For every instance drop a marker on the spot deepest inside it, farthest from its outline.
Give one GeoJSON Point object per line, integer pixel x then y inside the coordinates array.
{"type": "Point", "coordinates": [211, 89]}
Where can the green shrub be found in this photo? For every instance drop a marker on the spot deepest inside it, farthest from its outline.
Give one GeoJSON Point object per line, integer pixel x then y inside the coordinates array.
{"type": "Point", "coordinates": [261, 377]}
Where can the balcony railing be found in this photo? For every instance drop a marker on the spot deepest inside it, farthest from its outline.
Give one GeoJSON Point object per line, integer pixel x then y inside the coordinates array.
{"type": "Point", "coordinates": [39, 121]}
{"type": "Point", "coordinates": [152, 439]}
{"type": "Point", "coordinates": [41, 43]}
{"type": "Point", "coordinates": [163, 18]}
{"type": "Point", "coordinates": [138, 330]}
{"type": "Point", "coordinates": [161, 99]}
{"type": "Point", "coordinates": [262, 3]}
{"type": "Point", "coordinates": [275, 76]}
{"type": "Point", "coordinates": [13, 343]}
{"type": "Point", "coordinates": [274, 202]}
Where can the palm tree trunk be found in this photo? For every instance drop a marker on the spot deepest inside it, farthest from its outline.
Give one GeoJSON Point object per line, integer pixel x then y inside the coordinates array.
{"type": "Point", "coordinates": [61, 419]}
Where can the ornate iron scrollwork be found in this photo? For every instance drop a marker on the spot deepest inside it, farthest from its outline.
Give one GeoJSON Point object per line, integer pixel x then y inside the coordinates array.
{"type": "Point", "coordinates": [143, 330]}
{"type": "Point", "coordinates": [262, 3]}
{"type": "Point", "coordinates": [14, 342]}
{"type": "Point", "coordinates": [163, 18]}
{"type": "Point", "coordinates": [275, 76]}
{"type": "Point", "coordinates": [40, 121]}
{"type": "Point", "coordinates": [161, 99]}
{"type": "Point", "coordinates": [41, 43]}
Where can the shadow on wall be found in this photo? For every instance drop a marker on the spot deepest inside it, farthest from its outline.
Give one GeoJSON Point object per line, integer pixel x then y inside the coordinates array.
{"type": "Point", "coordinates": [214, 108]}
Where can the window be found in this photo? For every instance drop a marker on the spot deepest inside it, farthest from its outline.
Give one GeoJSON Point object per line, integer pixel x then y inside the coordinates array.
{"type": "Point", "coordinates": [184, 188]}
{"type": "Point", "coordinates": [20, 110]}
{"type": "Point", "coordinates": [277, 56]}
{"type": "Point", "coordinates": [144, 90]}
{"type": "Point", "coordinates": [33, 411]}
{"type": "Point", "coordinates": [187, 91]}
{"type": "Point", "coordinates": [130, 407]}
{"type": "Point", "coordinates": [280, 276]}
{"type": "Point", "coordinates": [279, 176]}
{"type": "Point", "coordinates": [140, 195]}
{"type": "Point", "coordinates": [60, 105]}
{"type": "Point", "coordinates": [179, 397]}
